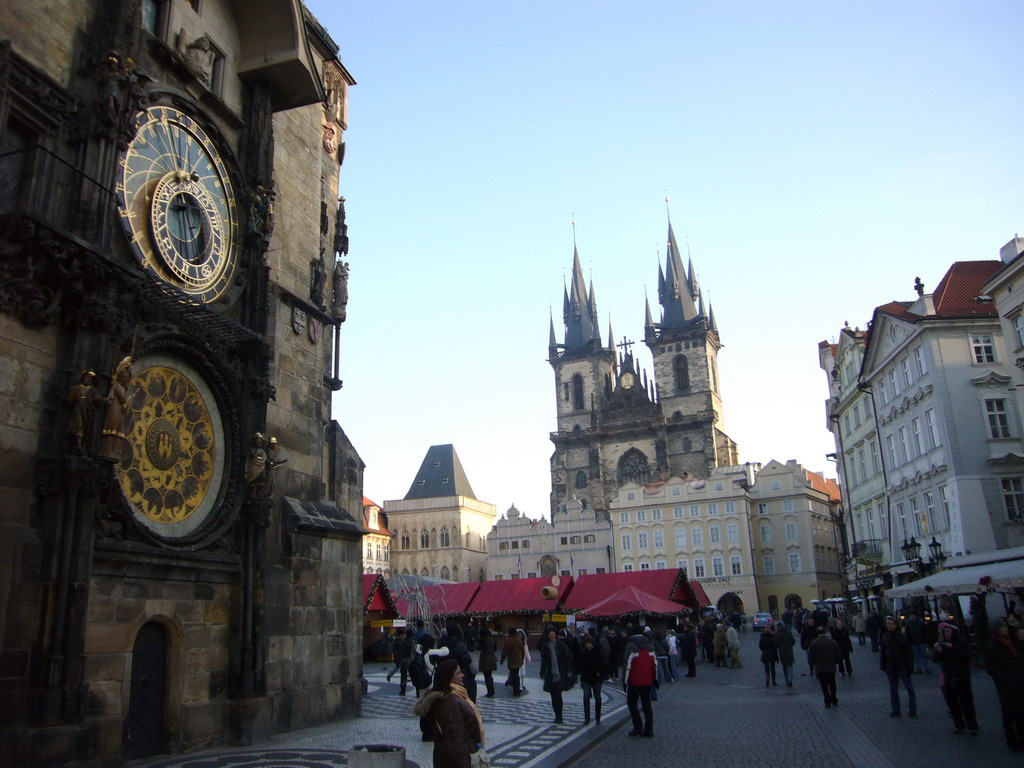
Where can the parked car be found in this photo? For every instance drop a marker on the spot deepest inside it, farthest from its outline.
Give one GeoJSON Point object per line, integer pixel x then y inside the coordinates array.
{"type": "Point", "coordinates": [762, 620]}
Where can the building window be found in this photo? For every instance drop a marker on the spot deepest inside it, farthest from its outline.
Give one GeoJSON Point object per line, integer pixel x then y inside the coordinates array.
{"type": "Point", "coordinates": [929, 511]}
{"type": "Point", "coordinates": [733, 533]}
{"type": "Point", "coordinates": [577, 392]}
{"type": "Point", "coordinates": [915, 437]}
{"type": "Point", "coordinates": [424, 539]}
{"type": "Point", "coordinates": [641, 540]}
{"type": "Point", "coordinates": [712, 509]}
{"type": "Point", "coordinates": [766, 533]}
{"type": "Point", "coordinates": [406, 543]}
{"type": "Point", "coordinates": [787, 505]}
{"type": "Point", "coordinates": [581, 479]}
{"type": "Point", "coordinates": [659, 565]}
{"type": "Point", "coordinates": [715, 534]}
{"type": "Point", "coordinates": [645, 566]}
{"type": "Point", "coordinates": [862, 465]}
{"type": "Point", "coordinates": [682, 563]}
{"type": "Point", "coordinates": [677, 512]}
{"type": "Point", "coordinates": [680, 537]}
{"type": "Point", "coordinates": [630, 496]}
{"type": "Point", "coordinates": [697, 537]}
{"type": "Point", "coordinates": [901, 518]}
{"type": "Point", "coordinates": [627, 542]}
{"type": "Point", "coordinates": [717, 566]}
{"type": "Point", "coordinates": [599, 570]}
{"type": "Point", "coordinates": [790, 531]}
{"type": "Point", "coordinates": [894, 383]}
{"type": "Point", "coordinates": [526, 543]}
{"type": "Point", "coordinates": [694, 510]}
{"type": "Point", "coordinates": [871, 523]}
{"type": "Point", "coordinates": [735, 565]}
{"type": "Point", "coordinates": [875, 458]}
{"type": "Point", "coordinates": [445, 573]}
{"type": "Point", "coordinates": [655, 514]}
{"type": "Point", "coordinates": [762, 508]}
{"type": "Point", "coordinates": [998, 421]}
{"type": "Point", "coordinates": [719, 486]}
{"type": "Point", "coordinates": [891, 445]}
{"type": "Point", "coordinates": [730, 507]}
{"type": "Point", "coordinates": [794, 562]}
{"type": "Point", "coordinates": [676, 491]}
{"type": "Point", "coordinates": [919, 361]}
{"type": "Point", "coordinates": [627, 566]}
{"type": "Point", "coordinates": [776, 485]}
{"type": "Point", "coordinates": [944, 508]}
{"type": "Point", "coordinates": [682, 372]}
{"type": "Point", "coordinates": [902, 434]}
{"type": "Point", "coordinates": [565, 541]}
{"type": "Point", "coordinates": [1018, 329]}
{"type": "Point", "coordinates": [1013, 498]}
{"type": "Point", "coordinates": [575, 539]}
{"type": "Point", "coordinates": [908, 377]}
{"type": "Point", "coordinates": [499, 577]}
{"type": "Point", "coordinates": [588, 538]}
{"type": "Point", "coordinates": [447, 542]}
{"type": "Point", "coordinates": [698, 567]}
{"type": "Point", "coordinates": [769, 565]}
{"type": "Point", "coordinates": [641, 515]}
{"type": "Point", "coordinates": [883, 391]}
{"type": "Point", "coordinates": [659, 539]}
{"type": "Point", "coordinates": [915, 515]}
{"type": "Point", "coordinates": [502, 545]}
{"type": "Point", "coordinates": [931, 428]}
{"type": "Point", "coordinates": [983, 349]}
{"type": "Point", "coordinates": [623, 517]}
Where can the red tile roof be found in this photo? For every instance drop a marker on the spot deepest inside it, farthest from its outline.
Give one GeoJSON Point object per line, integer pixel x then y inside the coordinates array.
{"type": "Point", "coordinates": [957, 291]}
{"type": "Point", "coordinates": [668, 584]}
{"type": "Point", "coordinates": [518, 596]}
{"type": "Point", "coordinates": [824, 485]}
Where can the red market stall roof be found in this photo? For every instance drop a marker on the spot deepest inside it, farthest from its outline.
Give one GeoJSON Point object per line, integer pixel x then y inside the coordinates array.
{"type": "Point", "coordinates": [518, 596]}
{"type": "Point", "coordinates": [666, 584]}
{"type": "Point", "coordinates": [442, 600]}
{"type": "Point", "coordinates": [630, 601]}
{"type": "Point", "coordinates": [377, 596]}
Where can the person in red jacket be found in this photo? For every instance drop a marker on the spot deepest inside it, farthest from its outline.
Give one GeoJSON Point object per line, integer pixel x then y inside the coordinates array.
{"type": "Point", "coordinates": [640, 677]}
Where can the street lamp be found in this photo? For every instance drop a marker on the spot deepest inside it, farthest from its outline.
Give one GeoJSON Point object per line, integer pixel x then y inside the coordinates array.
{"type": "Point", "coordinates": [912, 552]}
{"type": "Point", "coordinates": [938, 557]}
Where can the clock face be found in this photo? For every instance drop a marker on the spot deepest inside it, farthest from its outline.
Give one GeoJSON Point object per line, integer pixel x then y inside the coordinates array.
{"type": "Point", "coordinates": [177, 204]}
{"type": "Point", "coordinates": [173, 459]}
{"type": "Point", "coordinates": [627, 380]}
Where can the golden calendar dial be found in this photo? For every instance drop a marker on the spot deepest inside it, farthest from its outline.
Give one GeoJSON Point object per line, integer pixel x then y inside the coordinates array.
{"type": "Point", "coordinates": [173, 460]}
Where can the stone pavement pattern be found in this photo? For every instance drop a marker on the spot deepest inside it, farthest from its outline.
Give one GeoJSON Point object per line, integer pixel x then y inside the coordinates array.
{"type": "Point", "coordinates": [720, 719]}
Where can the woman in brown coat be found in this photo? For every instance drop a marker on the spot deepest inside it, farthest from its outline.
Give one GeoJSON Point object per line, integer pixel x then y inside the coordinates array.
{"type": "Point", "coordinates": [514, 653]}
{"type": "Point", "coordinates": [458, 727]}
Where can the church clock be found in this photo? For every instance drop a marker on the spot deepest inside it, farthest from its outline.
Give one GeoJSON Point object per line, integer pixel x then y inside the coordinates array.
{"type": "Point", "coordinates": [174, 456]}
{"type": "Point", "coordinates": [177, 204]}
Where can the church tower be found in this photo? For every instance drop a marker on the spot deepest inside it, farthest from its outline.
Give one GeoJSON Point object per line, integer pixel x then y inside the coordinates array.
{"type": "Point", "coordinates": [613, 424]}
{"type": "Point", "coordinates": [684, 345]}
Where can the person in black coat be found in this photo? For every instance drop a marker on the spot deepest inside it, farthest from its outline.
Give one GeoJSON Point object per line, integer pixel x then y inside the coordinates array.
{"type": "Point", "coordinates": [874, 627]}
{"type": "Point", "coordinates": [1003, 659]}
{"type": "Point", "coordinates": [556, 669]}
{"type": "Point", "coordinates": [954, 654]}
{"type": "Point", "coordinates": [807, 636]}
{"type": "Point", "coordinates": [457, 650]}
{"type": "Point", "coordinates": [842, 636]}
{"type": "Point", "coordinates": [897, 661]}
{"type": "Point", "coordinates": [593, 672]}
{"type": "Point", "coordinates": [707, 638]}
{"type": "Point", "coordinates": [687, 643]}
{"type": "Point", "coordinates": [769, 655]}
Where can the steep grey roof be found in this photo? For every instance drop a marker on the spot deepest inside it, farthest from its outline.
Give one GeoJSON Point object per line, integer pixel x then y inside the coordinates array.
{"type": "Point", "coordinates": [441, 474]}
{"type": "Point", "coordinates": [677, 290]}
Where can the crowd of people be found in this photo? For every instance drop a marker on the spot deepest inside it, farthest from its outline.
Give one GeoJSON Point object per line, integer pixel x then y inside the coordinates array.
{"type": "Point", "coordinates": [443, 671]}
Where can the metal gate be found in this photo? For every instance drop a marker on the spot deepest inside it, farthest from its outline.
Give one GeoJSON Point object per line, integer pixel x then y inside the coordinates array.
{"type": "Point", "coordinates": [144, 728]}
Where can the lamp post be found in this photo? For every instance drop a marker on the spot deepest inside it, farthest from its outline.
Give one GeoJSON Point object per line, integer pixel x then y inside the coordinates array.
{"type": "Point", "coordinates": [938, 557]}
{"type": "Point", "coordinates": [912, 554]}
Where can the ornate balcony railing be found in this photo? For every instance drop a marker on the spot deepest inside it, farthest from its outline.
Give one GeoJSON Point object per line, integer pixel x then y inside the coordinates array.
{"type": "Point", "coordinates": [868, 551]}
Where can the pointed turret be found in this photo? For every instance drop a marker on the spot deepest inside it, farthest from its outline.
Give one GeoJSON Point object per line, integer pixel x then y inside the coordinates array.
{"type": "Point", "coordinates": [648, 320]}
{"type": "Point", "coordinates": [611, 334]}
{"type": "Point", "coordinates": [675, 292]}
{"type": "Point", "coordinates": [552, 344]}
{"type": "Point", "coordinates": [712, 325]}
{"type": "Point", "coordinates": [581, 310]}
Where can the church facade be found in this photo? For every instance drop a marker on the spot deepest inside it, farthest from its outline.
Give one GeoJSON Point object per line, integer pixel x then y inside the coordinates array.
{"type": "Point", "coordinates": [180, 517]}
{"type": "Point", "coordinates": [614, 424]}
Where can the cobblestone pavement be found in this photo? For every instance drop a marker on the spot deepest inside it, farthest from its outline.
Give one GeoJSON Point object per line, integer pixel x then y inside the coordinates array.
{"type": "Point", "coordinates": [720, 719]}
{"type": "Point", "coordinates": [726, 718]}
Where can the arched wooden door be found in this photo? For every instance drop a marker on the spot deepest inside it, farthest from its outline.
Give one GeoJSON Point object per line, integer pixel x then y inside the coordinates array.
{"type": "Point", "coordinates": [144, 727]}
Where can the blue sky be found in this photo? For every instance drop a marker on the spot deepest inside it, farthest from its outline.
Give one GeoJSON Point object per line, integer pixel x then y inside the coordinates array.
{"type": "Point", "coordinates": [818, 157]}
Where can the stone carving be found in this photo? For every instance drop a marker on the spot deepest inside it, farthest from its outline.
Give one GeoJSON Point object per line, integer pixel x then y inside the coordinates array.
{"type": "Point", "coordinates": [255, 466]}
{"type": "Point", "coordinates": [113, 437]}
{"type": "Point", "coordinates": [84, 398]}
{"type": "Point", "coordinates": [340, 230]}
{"type": "Point", "coordinates": [330, 138]}
{"type": "Point", "coordinates": [261, 214]}
{"type": "Point", "coordinates": [198, 56]}
{"type": "Point", "coordinates": [275, 458]}
{"type": "Point", "coordinates": [339, 305]}
{"type": "Point", "coordinates": [317, 281]}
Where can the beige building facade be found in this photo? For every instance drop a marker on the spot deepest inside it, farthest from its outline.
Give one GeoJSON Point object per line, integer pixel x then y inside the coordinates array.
{"type": "Point", "coordinates": [376, 541]}
{"type": "Point", "coordinates": [440, 527]}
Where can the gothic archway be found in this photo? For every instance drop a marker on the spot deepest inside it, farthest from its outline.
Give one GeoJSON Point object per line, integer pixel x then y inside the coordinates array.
{"type": "Point", "coordinates": [633, 468]}
{"type": "Point", "coordinates": [793, 602]}
{"type": "Point", "coordinates": [730, 603]}
{"type": "Point", "coordinates": [144, 726]}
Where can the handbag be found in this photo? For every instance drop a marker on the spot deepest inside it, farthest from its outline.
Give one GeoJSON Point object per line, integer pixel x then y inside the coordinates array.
{"type": "Point", "coordinates": [480, 759]}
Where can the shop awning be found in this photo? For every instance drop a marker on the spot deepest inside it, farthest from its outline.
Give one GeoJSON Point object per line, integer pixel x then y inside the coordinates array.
{"type": "Point", "coordinates": [438, 600]}
{"type": "Point", "coordinates": [1008, 574]}
{"type": "Point", "coordinates": [667, 584]}
{"type": "Point", "coordinates": [630, 601]}
{"type": "Point", "coordinates": [516, 596]}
